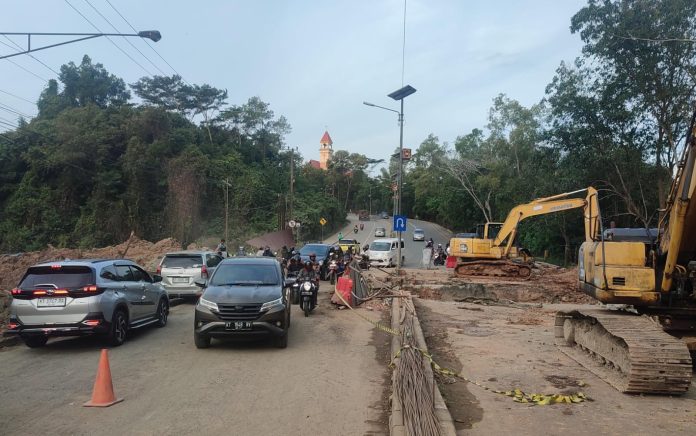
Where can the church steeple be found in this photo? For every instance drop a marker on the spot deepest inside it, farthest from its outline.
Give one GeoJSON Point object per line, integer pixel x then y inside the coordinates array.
{"type": "Point", "coordinates": [325, 151]}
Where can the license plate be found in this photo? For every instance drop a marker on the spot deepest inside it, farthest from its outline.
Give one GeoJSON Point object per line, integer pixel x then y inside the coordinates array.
{"type": "Point", "coordinates": [179, 279]}
{"type": "Point", "coordinates": [307, 292]}
{"type": "Point", "coordinates": [50, 302]}
{"type": "Point", "coordinates": [238, 325]}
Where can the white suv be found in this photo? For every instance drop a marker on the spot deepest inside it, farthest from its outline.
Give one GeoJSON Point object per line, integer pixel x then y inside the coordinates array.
{"type": "Point", "coordinates": [181, 269]}
{"type": "Point", "coordinates": [383, 252]}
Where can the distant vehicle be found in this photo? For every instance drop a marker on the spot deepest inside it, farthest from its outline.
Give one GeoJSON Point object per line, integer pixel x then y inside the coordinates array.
{"type": "Point", "coordinates": [364, 215]}
{"type": "Point", "coordinates": [181, 269]}
{"type": "Point", "coordinates": [418, 235]}
{"type": "Point", "coordinates": [350, 243]}
{"type": "Point", "coordinates": [380, 232]}
{"type": "Point", "coordinates": [383, 252]}
{"type": "Point", "coordinates": [85, 297]}
{"type": "Point", "coordinates": [384, 215]}
{"type": "Point", "coordinates": [245, 297]}
{"type": "Point", "coordinates": [323, 253]}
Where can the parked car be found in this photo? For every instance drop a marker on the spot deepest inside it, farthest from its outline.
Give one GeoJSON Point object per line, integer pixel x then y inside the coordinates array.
{"type": "Point", "coordinates": [418, 235]}
{"type": "Point", "coordinates": [384, 215]}
{"type": "Point", "coordinates": [181, 269]}
{"type": "Point", "coordinates": [380, 232]}
{"type": "Point", "coordinates": [383, 252]}
{"type": "Point", "coordinates": [84, 297]}
{"type": "Point", "coordinates": [245, 297]}
{"type": "Point", "coordinates": [323, 253]}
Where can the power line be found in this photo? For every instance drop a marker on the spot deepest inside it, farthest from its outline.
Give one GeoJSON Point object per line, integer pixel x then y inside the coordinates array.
{"type": "Point", "coordinates": [110, 40]}
{"type": "Point", "coordinates": [127, 40]}
{"type": "Point", "coordinates": [146, 42]}
{"type": "Point", "coordinates": [13, 110]}
{"type": "Point", "coordinates": [30, 55]}
{"type": "Point", "coordinates": [27, 70]}
{"type": "Point", "coordinates": [16, 96]}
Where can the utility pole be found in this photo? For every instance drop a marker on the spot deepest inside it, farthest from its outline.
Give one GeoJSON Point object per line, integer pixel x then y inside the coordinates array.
{"type": "Point", "coordinates": [292, 182]}
{"type": "Point", "coordinates": [227, 208]}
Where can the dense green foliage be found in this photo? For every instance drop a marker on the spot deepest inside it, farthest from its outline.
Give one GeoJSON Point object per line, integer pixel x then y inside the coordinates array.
{"type": "Point", "coordinates": [93, 166]}
{"type": "Point", "coordinates": [616, 120]}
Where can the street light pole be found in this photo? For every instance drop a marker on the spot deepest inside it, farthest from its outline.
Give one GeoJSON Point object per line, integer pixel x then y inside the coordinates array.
{"type": "Point", "coordinates": [153, 35]}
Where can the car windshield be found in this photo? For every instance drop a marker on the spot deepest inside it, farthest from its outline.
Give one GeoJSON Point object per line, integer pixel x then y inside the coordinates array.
{"type": "Point", "coordinates": [63, 277]}
{"type": "Point", "coordinates": [418, 231]}
{"type": "Point", "coordinates": [244, 274]}
{"type": "Point", "coordinates": [182, 261]}
{"type": "Point", "coordinates": [319, 250]}
{"type": "Point", "coordinates": [347, 241]}
{"type": "Point", "coordinates": [380, 246]}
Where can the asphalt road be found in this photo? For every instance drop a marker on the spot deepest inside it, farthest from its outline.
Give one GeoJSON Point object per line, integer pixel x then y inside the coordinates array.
{"type": "Point", "coordinates": [413, 250]}
{"type": "Point", "coordinates": [328, 381]}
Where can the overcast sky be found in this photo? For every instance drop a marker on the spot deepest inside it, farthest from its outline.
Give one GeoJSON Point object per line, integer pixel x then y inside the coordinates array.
{"type": "Point", "coordinates": [316, 61]}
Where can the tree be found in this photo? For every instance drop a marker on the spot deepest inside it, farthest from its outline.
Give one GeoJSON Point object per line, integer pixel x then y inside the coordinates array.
{"type": "Point", "coordinates": [90, 83]}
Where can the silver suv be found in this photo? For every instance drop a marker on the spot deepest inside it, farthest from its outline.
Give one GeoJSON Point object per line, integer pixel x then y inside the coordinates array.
{"type": "Point", "coordinates": [82, 297]}
{"type": "Point", "coordinates": [181, 269]}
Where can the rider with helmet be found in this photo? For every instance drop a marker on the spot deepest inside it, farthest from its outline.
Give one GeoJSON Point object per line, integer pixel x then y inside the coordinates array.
{"type": "Point", "coordinates": [309, 273]}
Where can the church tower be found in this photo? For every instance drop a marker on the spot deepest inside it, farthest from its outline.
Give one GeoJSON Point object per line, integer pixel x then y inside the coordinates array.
{"type": "Point", "coordinates": [325, 151]}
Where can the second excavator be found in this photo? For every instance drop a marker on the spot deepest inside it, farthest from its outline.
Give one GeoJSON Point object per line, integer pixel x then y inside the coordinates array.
{"type": "Point", "coordinates": [492, 251]}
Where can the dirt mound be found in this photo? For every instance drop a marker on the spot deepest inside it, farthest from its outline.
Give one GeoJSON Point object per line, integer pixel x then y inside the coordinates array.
{"type": "Point", "coordinates": [145, 253]}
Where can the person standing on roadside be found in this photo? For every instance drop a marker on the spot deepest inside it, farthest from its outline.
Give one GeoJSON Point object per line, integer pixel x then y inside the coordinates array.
{"type": "Point", "coordinates": [221, 248]}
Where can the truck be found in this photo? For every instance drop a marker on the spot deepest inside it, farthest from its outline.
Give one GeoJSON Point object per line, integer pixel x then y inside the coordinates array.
{"type": "Point", "coordinates": [364, 215]}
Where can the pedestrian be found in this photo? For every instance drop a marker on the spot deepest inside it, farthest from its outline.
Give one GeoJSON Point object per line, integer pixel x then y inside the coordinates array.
{"type": "Point", "coordinates": [259, 252]}
{"type": "Point", "coordinates": [284, 252]}
{"type": "Point", "coordinates": [340, 236]}
{"type": "Point", "coordinates": [221, 248]}
{"type": "Point", "coordinates": [267, 252]}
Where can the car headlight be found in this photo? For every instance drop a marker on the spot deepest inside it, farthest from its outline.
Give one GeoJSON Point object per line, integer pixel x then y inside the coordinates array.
{"type": "Point", "coordinates": [208, 304]}
{"type": "Point", "coordinates": [307, 286]}
{"type": "Point", "coordinates": [271, 304]}
{"type": "Point", "coordinates": [463, 248]}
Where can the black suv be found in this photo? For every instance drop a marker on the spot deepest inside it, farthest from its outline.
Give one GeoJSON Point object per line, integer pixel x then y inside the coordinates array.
{"type": "Point", "coordinates": [245, 297]}
{"type": "Point", "coordinates": [323, 253]}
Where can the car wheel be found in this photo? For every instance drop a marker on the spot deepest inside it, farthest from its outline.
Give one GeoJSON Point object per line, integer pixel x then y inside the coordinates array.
{"type": "Point", "coordinates": [119, 328]}
{"type": "Point", "coordinates": [35, 341]}
{"type": "Point", "coordinates": [162, 313]}
{"type": "Point", "coordinates": [201, 341]}
{"type": "Point", "coordinates": [282, 341]}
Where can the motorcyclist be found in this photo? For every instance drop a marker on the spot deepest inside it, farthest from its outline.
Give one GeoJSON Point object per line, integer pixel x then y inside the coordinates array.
{"type": "Point", "coordinates": [366, 248]}
{"type": "Point", "coordinates": [267, 252]}
{"type": "Point", "coordinates": [240, 251]}
{"type": "Point", "coordinates": [309, 273]}
{"type": "Point", "coordinates": [355, 229]}
{"type": "Point", "coordinates": [430, 243]}
{"type": "Point", "coordinates": [284, 252]}
{"type": "Point", "coordinates": [440, 250]}
{"type": "Point", "coordinates": [294, 266]}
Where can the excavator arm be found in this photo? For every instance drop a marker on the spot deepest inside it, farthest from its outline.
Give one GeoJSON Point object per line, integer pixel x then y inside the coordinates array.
{"type": "Point", "coordinates": [543, 206]}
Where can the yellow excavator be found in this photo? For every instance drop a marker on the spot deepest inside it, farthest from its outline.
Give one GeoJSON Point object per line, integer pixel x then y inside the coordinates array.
{"type": "Point", "coordinates": [491, 252]}
{"type": "Point", "coordinates": [646, 344]}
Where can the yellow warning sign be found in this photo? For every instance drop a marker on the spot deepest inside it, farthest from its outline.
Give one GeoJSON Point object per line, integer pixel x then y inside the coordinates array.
{"type": "Point", "coordinates": [322, 222]}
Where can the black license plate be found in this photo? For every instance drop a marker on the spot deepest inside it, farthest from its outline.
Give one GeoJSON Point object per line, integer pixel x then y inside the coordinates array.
{"type": "Point", "coordinates": [307, 292]}
{"type": "Point", "coordinates": [238, 325]}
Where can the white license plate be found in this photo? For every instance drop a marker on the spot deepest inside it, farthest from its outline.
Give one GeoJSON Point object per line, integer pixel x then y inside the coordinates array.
{"type": "Point", "coordinates": [50, 302]}
{"type": "Point", "coordinates": [179, 279]}
{"type": "Point", "coordinates": [238, 325]}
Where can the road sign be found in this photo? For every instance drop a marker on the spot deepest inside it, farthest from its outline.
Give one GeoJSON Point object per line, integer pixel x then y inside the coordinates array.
{"type": "Point", "coordinates": [406, 155]}
{"type": "Point", "coordinates": [292, 223]}
{"type": "Point", "coordinates": [399, 223]}
{"type": "Point", "coordinates": [322, 222]}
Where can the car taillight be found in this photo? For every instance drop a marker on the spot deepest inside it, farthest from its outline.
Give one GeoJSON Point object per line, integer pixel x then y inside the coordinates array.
{"type": "Point", "coordinates": [159, 269]}
{"type": "Point", "coordinates": [90, 288]}
{"type": "Point", "coordinates": [16, 291]}
{"type": "Point", "coordinates": [39, 292]}
{"type": "Point", "coordinates": [91, 322]}
{"type": "Point", "coordinates": [12, 325]}
{"type": "Point", "coordinates": [204, 272]}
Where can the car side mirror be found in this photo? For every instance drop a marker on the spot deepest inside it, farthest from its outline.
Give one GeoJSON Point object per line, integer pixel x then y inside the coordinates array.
{"type": "Point", "coordinates": [201, 283]}
{"type": "Point", "coordinates": [156, 278]}
{"type": "Point", "coordinates": [289, 281]}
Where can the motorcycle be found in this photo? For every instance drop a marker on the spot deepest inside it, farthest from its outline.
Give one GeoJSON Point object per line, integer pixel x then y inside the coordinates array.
{"type": "Point", "coordinates": [364, 262]}
{"type": "Point", "coordinates": [333, 271]}
{"type": "Point", "coordinates": [439, 259]}
{"type": "Point", "coordinates": [308, 296]}
{"type": "Point", "coordinates": [355, 229]}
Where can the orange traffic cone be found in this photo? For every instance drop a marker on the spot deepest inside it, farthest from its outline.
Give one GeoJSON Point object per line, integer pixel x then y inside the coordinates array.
{"type": "Point", "coordinates": [103, 392]}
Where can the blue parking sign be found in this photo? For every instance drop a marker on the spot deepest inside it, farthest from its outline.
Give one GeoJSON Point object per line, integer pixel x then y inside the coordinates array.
{"type": "Point", "coordinates": [399, 223]}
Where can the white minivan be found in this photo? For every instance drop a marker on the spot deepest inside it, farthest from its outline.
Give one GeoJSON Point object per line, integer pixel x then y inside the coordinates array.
{"type": "Point", "coordinates": [383, 252]}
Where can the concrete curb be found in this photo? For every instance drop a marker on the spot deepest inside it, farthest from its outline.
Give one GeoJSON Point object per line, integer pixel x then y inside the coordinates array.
{"type": "Point", "coordinates": [396, 419]}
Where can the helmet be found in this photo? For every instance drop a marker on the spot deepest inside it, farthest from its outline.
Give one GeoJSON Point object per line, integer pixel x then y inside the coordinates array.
{"type": "Point", "coordinates": [308, 264]}
{"type": "Point", "coordinates": [439, 245]}
{"type": "Point", "coordinates": [297, 257]}
{"type": "Point", "coordinates": [312, 256]}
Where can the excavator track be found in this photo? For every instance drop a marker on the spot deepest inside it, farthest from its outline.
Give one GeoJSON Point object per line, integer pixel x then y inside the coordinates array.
{"type": "Point", "coordinates": [628, 351]}
{"type": "Point", "coordinates": [493, 268]}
